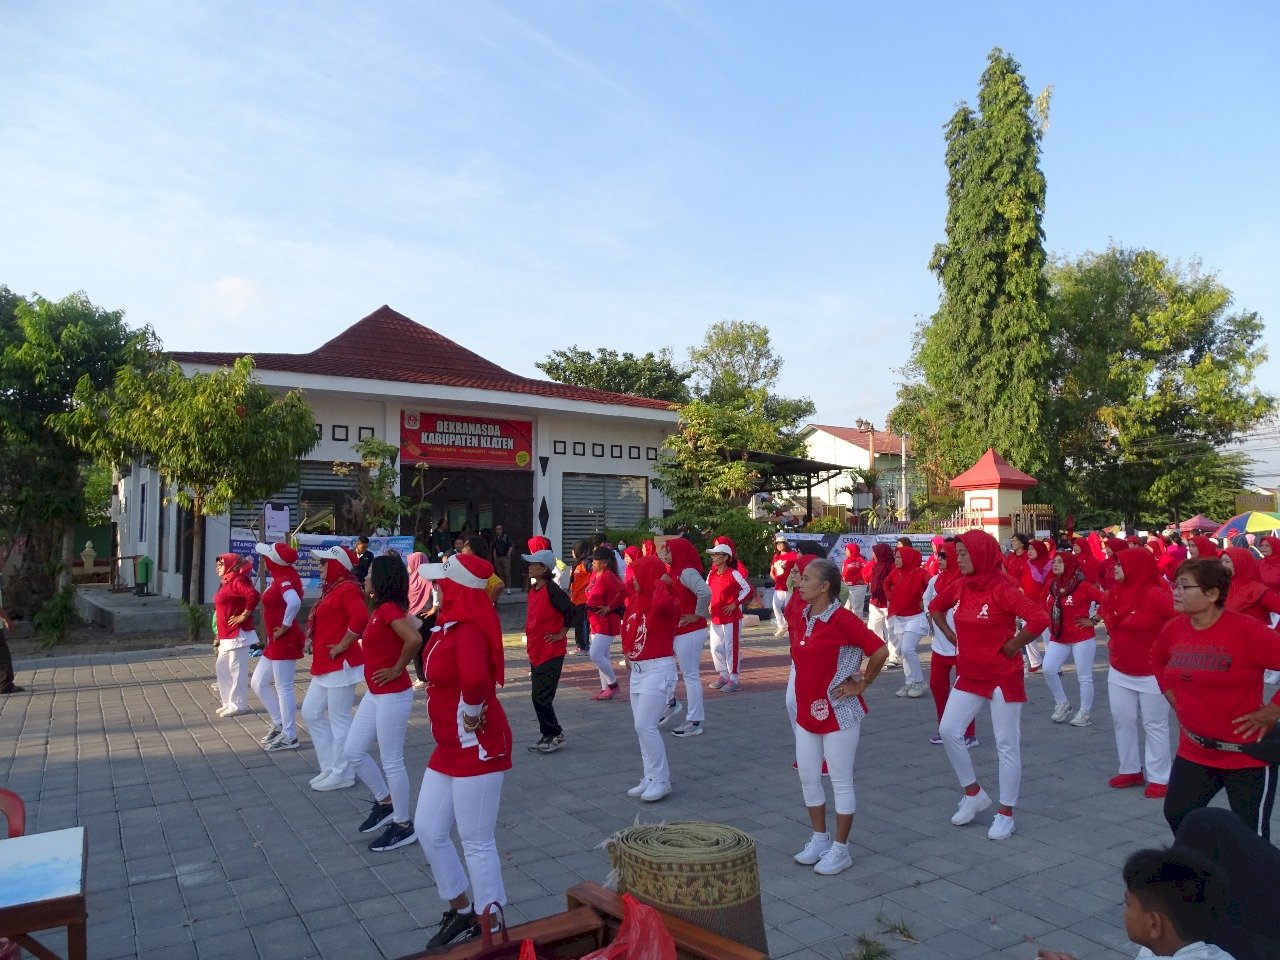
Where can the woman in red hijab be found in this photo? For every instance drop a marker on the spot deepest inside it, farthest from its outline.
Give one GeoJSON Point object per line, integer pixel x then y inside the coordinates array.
{"type": "Point", "coordinates": [693, 597]}
{"type": "Point", "coordinates": [988, 606]}
{"type": "Point", "coordinates": [1034, 582]}
{"type": "Point", "coordinates": [1073, 634]}
{"type": "Point", "coordinates": [281, 602]}
{"type": "Point", "coordinates": [1084, 556]}
{"type": "Point", "coordinates": [1202, 548]}
{"type": "Point", "coordinates": [462, 786]}
{"type": "Point", "coordinates": [878, 600]}
{"type": "Point", "coordinates": [942, 658]}
{"type": "Point", "coordinates": [1247, 593]}
{"type": "Point", "coordinates": [648, 641]}
{"type": "Point", "coordinates": [905, 586]}
{"type": "Point", "coordinates": [1269, 565]}
{"type": "Point", "coordinates": [852, 572]}
{"type": "Point", "coordinates": [233, 607]}
{"type": "Point", "coordinates": [629, 557]}
{"type": "Point", "coordinates": [1113, 547]}
{"type": "Point", "coordinates": [1135, 612]}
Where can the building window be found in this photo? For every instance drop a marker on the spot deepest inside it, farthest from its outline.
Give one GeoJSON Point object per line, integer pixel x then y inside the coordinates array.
{"type": "Point", "coordinates": [339, 432]}
{"type": "Point", "coordinates": [593, 503]}
{"type": "Point", "coordinates": [597, 449]}
{"type": "Point", "coordinates": [560, 447]}
{"type": "Point", "coordinates": [365, 433]}
{"type": "Point", "coordinates": [615, 451]}
{"type": "Point", "coordinates": [651, 453]}
{"type": "Point", "coordinates": [319, 431]}
{"type": "Point", "coordinates": [579, 449]}
{"type": "Point", "coordinates": [633, 453]}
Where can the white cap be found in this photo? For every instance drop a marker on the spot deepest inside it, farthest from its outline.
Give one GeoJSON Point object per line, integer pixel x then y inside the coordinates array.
{"type": "Point", "coordinates": [545, 557]}
{"type": "Point", "coordinates": [722, 548]}
{"type": "Point", "coordinates": [336, 552]}
{"type": "Point", "coordinates": [452, 569]}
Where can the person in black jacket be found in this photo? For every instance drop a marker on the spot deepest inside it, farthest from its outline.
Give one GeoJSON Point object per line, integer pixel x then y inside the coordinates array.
{"type": "Point", "coordinates": [364, 559]}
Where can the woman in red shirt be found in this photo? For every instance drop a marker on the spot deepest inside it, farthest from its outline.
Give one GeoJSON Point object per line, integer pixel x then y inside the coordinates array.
{"type": "Point", "coordinates": [836, 658]}
{"type": "Point", "coordinates": [784, 558]}
{"type": "Point", "coordinates": [337, 665]}
{"type": "Point", "coordinates": [648, 640]}
{"type": "Point", "coordinates": [693, 596]}
{"type": "Point", "coordinates": [1112, 547]}
{"type": "Point", "coordinates": [988, 606]}
{"type": "Point", "coordinates": [462, 786]}
{"type": "Point", "coordinates": [603, 598]}
{"type": "Point", "coordinates": [1135, 611]}
{"type": "Point", "coordinates": [1269, 567]}
{"type": "Point", "coordinates": [878, 600]}
{"type": "Point", "coordinates": [1209, 662]}
{"type": "Point", "coordinates": [729, 590]}
{"type": "Point", "coordinates": [281, 602]}
{"type": "Point", "coordinates": [1073, 634]}
{"type": "Point", "coordinates": [1248, 594]}
{"type": "Point", "coordinates": [852, 572]}
{"type": "Point", "coordinates": [1034, 581]}
{"type": "Point", "coordinates": [233, 607]}
{"type": "Point", "coordinates": [547, 623]}
{"type": "Point", "coordinates": [1202, 548]}
{"type": "Point", "coordinates": [389, 642]}
{"type": "Point", "coordinates": [905, 587]}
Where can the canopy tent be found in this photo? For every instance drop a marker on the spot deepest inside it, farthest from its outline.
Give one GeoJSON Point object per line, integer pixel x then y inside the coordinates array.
{"type": "Point", "coordinates": [1197, 524]}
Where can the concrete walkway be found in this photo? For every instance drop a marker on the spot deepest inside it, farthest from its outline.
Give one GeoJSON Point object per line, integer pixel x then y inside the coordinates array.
{"type": "Point", "coordinates": [204, 846]}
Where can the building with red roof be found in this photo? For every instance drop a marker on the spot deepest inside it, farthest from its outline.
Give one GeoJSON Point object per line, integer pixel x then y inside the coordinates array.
{"type": "Point", "coordinates": [861, 447]}
{"type": "Point", "coordinates": [537, 457]}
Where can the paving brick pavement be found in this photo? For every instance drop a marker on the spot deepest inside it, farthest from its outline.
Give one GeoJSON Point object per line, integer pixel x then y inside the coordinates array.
{"type": "Point", "coordinates": [202, 846]}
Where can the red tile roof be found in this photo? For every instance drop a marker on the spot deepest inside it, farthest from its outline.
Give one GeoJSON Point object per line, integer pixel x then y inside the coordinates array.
{"type": "Point", "coordinates": [887, 444]}
{"type": "Point", "coordinates": [387, 345]}
{"type": "Point", "coordinates": [992, 471]}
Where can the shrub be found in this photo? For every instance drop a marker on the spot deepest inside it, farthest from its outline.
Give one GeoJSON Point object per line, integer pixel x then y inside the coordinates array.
{"type": "Point", "coordinates": [56, 617]}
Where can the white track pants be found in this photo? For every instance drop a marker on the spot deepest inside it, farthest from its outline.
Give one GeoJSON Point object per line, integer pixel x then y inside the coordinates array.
{"type": "Point", "coordinates": [1057, 654]}
{"type": "Point", "coordinates": [281, 703]}
{"type": "Point", "coordinates": [689, 657]}
{"type": "Point", "coordinates": [472, 804]}
{"type": "Point", "coordinates": [839, 749]}
{"type": "Point", "coordinates": [878, 623]}
{"type": "Point", "coordinates": [652, 682]}
{"type": "Point", "coordinates": [327, 712]}
{"type": "Point", "coordinates": [725, 646]}
{"type": "Point", "coordinates": [600, 647]}
{"type": "Point", "coordinates": [232, 668]}
{"type": "Point", "coordinates": [384, 717]}
{"type": "Point", "coordinates": [1006, 721]}
{"type": "Point", "coordinates": [779, 604]}
{"type": "Point", "coordinates": [857, 599]}
{"type": "Point", "coordinates": [1125, 705]}
{"type": "Point", "coordinates": [791, 698]}
{"type": "Point", "coordinates": [907, 631]}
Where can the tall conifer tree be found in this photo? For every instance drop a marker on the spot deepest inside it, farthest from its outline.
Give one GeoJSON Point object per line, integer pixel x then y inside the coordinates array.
{"type": "Point", "coordinates": [984, 356]}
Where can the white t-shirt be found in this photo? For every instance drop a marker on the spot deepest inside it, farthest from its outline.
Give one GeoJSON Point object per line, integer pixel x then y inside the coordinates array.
{"type": "Point", "coordinates": [941, 645]}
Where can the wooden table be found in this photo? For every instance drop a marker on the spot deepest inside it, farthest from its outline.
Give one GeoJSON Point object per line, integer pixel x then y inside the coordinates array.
{"type": "Point", "coordinates": [42, 887]}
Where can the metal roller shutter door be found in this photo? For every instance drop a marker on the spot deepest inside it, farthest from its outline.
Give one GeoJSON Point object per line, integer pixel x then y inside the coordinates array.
{"type": "Point", "coordinates": [592, 503]}
{"type": "Point", "coordinates": [314, 476]}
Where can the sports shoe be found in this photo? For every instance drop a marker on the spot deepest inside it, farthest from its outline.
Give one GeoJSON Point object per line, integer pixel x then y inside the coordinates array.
{"type": "Point", "coordinates": [970, 806]}
{"type": "Point", "coordinates": [333, 781]}
{"type": "Point", "coordinates": [779, 633]}
{"type": "Point", "coordinates": [656, 791]}
{"type": "Point", "coordinates": [280, 743]}
{"type": "Point", "coordinates": [936, 739]}
{"type": "Point", "coordinates": [455, 927]}
{"type": "Point", "coordinates": [1002, 827]}
{"type": "Point", "coordinates": [639, 788]}
{"type": "Point", "coordinates": [1061, 713]}
{"type": "Point", "coordinates": [1122, 780]}
{"type": "Point", "coordinates": [893, 664]}
{"type": "Point", "coordinates": [551, 744]}
{"type": "Point", "coordinates": [230, 710]}
{"type": "Point", "coordinates": [971, 742]}
{"type": "Point", "coordinates": [719, 682]}
{"type": "Point", "coordinates": [380, 814]}
{"type": "Point", "coordinates": [1082, 719]}
{"type": "Point", "coordinates": [213, 687]}
{"type": "Point", "coordinates": [731, 687]}
{"type": "Point", "coordinates": [1156, 791]}
{"type": "Point", "coordinates": [903, 690]}
{"type": "Point", "coordinates": [915, 690]}
{"type": "Point", "coordinates": [608, 693]}
{"type": "Point", "coordinates": [537, 747]}
{"type": "Point", "coordinates": [834, 860]}
{"type": "Point", "coordinates": [322, 775]}
{"type": "Point", "coordinates": [673, 710]}
{"type": "Point", "coordinates": [275, 733]}
{"type": "Point", "coordinates": [690, 728]}
{"type": "Point", "coordinates": [11, 687]}
{"type": "Point", "coordinates": [396, 835]}
{"type": "Point", "coordinates": [814, 850]}
{"type": "Point", "coordinates": [1035, 669]}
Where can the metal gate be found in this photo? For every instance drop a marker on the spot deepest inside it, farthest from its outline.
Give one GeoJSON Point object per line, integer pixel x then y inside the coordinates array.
{"type": "Point", "coordinates": [1036, 516]}
{"type": "Point", "coordinates": [592, 503]}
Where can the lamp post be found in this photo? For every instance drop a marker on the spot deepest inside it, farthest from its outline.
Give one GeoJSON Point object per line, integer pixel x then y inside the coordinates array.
{"type": "Point", "coordinates": [906, 506]}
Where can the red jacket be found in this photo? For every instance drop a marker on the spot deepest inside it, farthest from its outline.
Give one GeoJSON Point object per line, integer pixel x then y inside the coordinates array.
{"type": "Point", "coordinates": [549, 614]}
{"type": "Point", "coordinates": [649, 628]}
{"type": "Point", "coordinates": [780, 568]}
{"type": "Point", "coordinates": [828, 655]}
{"type": "Point", "coordinates": [459, 671]}
{"type": "Point", "coordinates": [1074, 605]}
{"type": "Point", "coordinates": [604, 589]}
{"type": "Point", "coordinates": [728, 590]}
{"type": "Point", "coordinates": [1215, 675]}
{"type": "Point", "coordinates": [905, 585]}
{"type": "Point", "coordinates": [337, 611]}
{"type": "Point", "coordinates": [1132, 633]}
{"type": "Point", "coordinates": [237, 595]}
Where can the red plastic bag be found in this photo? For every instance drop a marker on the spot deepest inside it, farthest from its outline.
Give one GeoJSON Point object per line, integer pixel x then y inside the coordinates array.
{"type": "Point", "coordinates": [642, 936]}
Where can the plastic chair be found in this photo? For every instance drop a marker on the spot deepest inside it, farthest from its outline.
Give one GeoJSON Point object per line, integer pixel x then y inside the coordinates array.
{"type": "Point", "coordinates": [15, 811]}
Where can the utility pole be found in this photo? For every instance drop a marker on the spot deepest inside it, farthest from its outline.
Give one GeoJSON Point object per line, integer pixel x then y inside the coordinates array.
{"type": "Point", "coordinates": [905, 508]}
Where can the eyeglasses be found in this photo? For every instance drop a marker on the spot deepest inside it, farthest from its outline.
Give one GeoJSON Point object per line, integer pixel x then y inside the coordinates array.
{"type": "Point", "coordinates": [1179, 586]}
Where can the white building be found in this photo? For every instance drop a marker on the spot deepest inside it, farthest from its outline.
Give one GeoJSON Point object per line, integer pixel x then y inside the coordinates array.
{"type": "Point", "coordinates": [859, 447]}
{"type": "Point", "coordinates": [535, 456]}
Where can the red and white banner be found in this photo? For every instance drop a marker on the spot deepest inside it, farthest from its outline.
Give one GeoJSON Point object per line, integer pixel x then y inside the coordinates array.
{"type": "Point", "coordinates": [447, 439]}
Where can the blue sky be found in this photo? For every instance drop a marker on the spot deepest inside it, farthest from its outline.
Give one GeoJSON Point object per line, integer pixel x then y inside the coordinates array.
{"type": "Point", "coordinates": [526, 176]}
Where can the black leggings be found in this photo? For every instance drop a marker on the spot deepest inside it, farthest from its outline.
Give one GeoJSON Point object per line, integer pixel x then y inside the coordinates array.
{"type": "Point", "coordinates": [6, 662]}
{"type": "Point", "coordinates": [1251, 792]}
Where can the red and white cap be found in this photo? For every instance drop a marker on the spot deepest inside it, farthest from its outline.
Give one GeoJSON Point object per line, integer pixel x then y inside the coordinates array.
{"type": "Point", "coordinates": [344, 555]}
{"type": "Point", "coordinates": [722, 548]}
{"type": "Point", "coordinates": [280, 553]}
{"type": "Point", "coordinates": [464, 569]}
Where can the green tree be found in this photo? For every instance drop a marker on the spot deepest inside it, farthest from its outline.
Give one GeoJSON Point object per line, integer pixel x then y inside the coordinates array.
{"type": "Point", "coordinates": [217, 438]}
{"type": "Point", "coordinates": [48, 348]}
{"type": "Point", "coordinates": [983, 358]}
{"type": "Point", "coordinates": [1153, 377]}
{"type": "Point", "coordinates": [375, 504]}
{"type": "Point", "coordinates": [653, 375]}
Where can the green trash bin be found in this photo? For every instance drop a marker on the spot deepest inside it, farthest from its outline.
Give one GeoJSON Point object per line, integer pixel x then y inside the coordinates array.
{"type": "Point", "coordinates": [141, 575]}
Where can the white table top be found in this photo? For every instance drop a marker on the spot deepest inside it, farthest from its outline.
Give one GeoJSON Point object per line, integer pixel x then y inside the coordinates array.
{"type": "Point", "coordinates": [41, 866]}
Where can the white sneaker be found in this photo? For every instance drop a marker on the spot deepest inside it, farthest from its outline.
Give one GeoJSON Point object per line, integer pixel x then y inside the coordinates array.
{"type": "Point", "coordinates": [1002, 827]}
{"type": "Point", "coordinates": [639, 788]}
{"type": "Point", "coordinates": [779, 633]}
{"type": "Point", "coordinates": [1082, 719]}
{"type": "Point", "coordinates": [903, 691]}
{"type": "Point", "coordinates": [230, 710]}
{"type": "Point", "coordinates": [1061, 713]}
{"type": "Point", "coordinates": [834, 860]}
{"type": "Point", "coordinates": [332, 782]}
{"type": "Point", "coordinates": [688, 729]}
{"type": "Point", "coordinates": [656, 791]}
{"type": "Point", "coordinates": [814, 850]}
{"type": "Point", "coordinates": [915, 690]}
{"type": "Point", "coordinates": [323, 774]}
{"type": "Point", "coordinates": [1270, 677]}
{"type": "Point", "coordinates": [222, 710]}
{"type": "Point", "coordinates": [671, 713]}
{"type": "Point", "coordinates": [214, 688]}
{"type": "Point", "coordinates": [969, 807]}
